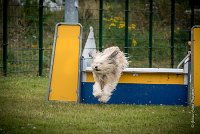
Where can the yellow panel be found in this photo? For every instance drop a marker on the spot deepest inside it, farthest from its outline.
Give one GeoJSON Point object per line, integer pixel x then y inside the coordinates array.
{"type": "Point", "coordinates": [147, 78]}
{"type": "Point", "coordinates": [65, 71]}
{"type": "Point", "coordinates": [196, 65]}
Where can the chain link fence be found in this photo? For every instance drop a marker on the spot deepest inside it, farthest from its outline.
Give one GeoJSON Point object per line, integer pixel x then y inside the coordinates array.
{"type": "Point", "coordinates": [23, 36]}
{"type": "Point", "coordinates": [154, 33]}
{"type": "Point", "coordinates": [1, 37]}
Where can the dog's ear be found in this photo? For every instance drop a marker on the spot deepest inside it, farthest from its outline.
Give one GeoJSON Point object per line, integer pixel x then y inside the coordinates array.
{"type": "Point", "coordinates": [113, 54]}
{"type": "Point", "coordinates": [92, 54]}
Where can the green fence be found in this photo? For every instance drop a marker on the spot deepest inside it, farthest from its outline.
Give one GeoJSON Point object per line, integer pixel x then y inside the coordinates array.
{"type": "Point", "coordinates": [29, 28]}
{"type": "Point", "coordinates": [1, 38]}
{"type": "Point", "coordinates": [152, 33]}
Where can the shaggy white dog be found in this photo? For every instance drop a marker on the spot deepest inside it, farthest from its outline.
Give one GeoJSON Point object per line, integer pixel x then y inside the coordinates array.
{"type": "Point", "coordinates": [107, 67]}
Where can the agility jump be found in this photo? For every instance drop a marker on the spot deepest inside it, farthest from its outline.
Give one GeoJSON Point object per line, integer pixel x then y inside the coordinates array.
{"type": "Point", "coordinates": [71, 78]}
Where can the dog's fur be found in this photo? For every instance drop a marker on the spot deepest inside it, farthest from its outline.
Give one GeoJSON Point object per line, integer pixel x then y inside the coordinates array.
{"type": "Point", "coordinates": [107, 67]}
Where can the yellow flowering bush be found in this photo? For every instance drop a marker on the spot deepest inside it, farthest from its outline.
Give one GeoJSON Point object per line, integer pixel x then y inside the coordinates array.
{"type": "Point", "coordinates": [134, 42]}
{"type": "Point", "coordinates": [121, 25]}
{"type": "Point", "coordinates": [115, 28]}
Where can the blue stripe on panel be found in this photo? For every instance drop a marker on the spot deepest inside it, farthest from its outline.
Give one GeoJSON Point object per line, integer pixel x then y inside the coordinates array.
{"type": "Point", "coordinates": [156, 94]}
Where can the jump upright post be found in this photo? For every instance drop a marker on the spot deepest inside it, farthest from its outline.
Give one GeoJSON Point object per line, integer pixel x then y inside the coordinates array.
{"type": "Point", "coordinates": [64, 78]}
{"type": "Point", "coordinates": [195, 65]}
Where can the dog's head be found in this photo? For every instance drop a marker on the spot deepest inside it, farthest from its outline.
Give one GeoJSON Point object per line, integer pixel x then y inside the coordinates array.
{"type": "Point", "coordinates": [103, 62]}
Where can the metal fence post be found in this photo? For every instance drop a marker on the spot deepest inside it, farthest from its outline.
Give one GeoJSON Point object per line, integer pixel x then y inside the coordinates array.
{"type": "Point", "coordinates": [5, 37]}
{"type": "Point", "coordinates": [100, 24]}
{"type": "Point", "coordinates": [192, 12]}
{"type": "Point", "coordinates": [71, 11]}
{"type": "Point", "coordinates": [150, 31]}
{"type": "Point", "coordinates": [126, 27]}
{"type": "Point", "coordinates": [191, 17]}
{"type": "Point", "coordinates": [172, 31]}
{"type": "Point", "coordinates": [40, 41]}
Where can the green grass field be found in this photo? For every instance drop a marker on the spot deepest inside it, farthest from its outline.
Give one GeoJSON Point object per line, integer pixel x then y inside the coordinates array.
{"type": "Point", "coordinates": [24, 109]}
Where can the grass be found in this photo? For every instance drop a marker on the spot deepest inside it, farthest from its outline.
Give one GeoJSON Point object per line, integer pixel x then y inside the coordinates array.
{"type": "Point", "coordinates": [24, 109]}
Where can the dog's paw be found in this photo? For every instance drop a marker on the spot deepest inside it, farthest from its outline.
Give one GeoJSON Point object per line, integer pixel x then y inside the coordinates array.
{"type": "Point", "coordinates": [104, 99]}
{"type": "Point", "coordinates": [97, 93]}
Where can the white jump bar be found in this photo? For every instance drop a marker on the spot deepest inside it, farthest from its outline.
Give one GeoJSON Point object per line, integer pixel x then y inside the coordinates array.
{"type": "Point", "coordinates": [147, 70]}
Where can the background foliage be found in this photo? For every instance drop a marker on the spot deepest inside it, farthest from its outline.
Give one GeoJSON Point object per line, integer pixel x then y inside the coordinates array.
{"type": "Point", "coordinates": [23, 30]}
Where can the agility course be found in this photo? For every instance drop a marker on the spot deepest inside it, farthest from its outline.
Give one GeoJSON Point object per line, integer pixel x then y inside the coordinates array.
{"type": "Point", "coordinates": [142, 103]}
{"type": "Point", "coordinates": [71, 79]}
